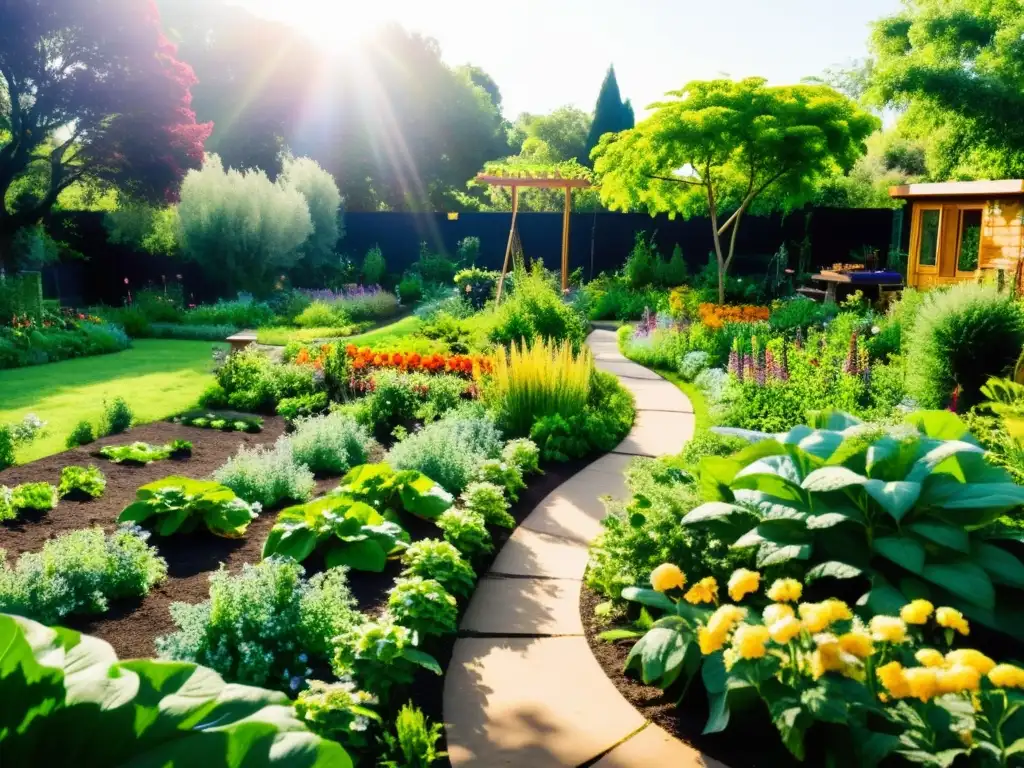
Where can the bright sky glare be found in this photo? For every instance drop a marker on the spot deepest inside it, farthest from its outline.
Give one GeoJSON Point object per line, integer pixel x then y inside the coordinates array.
{"type": "Point", "coordinates": [546, 53]}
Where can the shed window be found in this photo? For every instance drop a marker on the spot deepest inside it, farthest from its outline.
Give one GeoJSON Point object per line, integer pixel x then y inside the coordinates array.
{"type": "Point", "coordinates": [928, 250]}
{"type": "Point", "coordinates": [970, 240]}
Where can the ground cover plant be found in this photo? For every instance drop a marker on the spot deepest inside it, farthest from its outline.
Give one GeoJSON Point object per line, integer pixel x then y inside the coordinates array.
{"type": "Point", "coordinates": [179, 504]}
{"type": "Point", "coordinates": [34, 497]}
{"type": "Point", "coordinates": [140, 454]}
{"type": "Point", "coordinates": [267, 475]}
{"type": "Point", "coordinates": [226, 421]}
{"type": "Point", "coordinates": [81, 483]}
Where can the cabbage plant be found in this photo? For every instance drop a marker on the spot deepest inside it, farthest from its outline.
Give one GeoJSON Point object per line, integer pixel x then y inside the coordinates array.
{"type": "Point", "coordinates": [911, 508]}
{"type": "Point", "coordinates": [180, 504]}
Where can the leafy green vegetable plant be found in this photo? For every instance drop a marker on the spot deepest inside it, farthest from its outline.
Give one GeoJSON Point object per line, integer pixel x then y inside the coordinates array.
{"type": "Point", "coordinates": [488, 501]}
{"type": "Point", "coordinates": [381, 656]}
{"type": "Point", "coordinates": [384, 489]}
{"type": "Point", "coordinates": [338, 711]}
{"type": "Point", "coordinates": [466, 531]}
{"type": "Point", "coordinates": [524, 454]}
{"type": "Point", "coordinates": [180, 504]}
{"type": "Point", "coordinates": [136, 454]}
{"type": "Point", "coordinates": [414, 743]}
{"type": "Point", "coordinates": [38, 497]}
{"type": "Point", "coordinates": [347, 532]}
{"type": "Point", "coordinates": [909, 508]}
{"type": "Point", "coordinates": [504, 475]}
{"type": "Point", "coordinates": [442, 562]}
{"type": "Point", "coordinates": [423, 605]}
{"type": "Point", "coordinates": [7, 510]}
{"type": "Point", "coordinates": [145, 712]}
{"type": "Point", "coordinates": [81, 483]}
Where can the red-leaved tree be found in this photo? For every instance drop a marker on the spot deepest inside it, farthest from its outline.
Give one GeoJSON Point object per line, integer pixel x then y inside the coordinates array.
{"type": "Point", "coordinates": [91, 92]}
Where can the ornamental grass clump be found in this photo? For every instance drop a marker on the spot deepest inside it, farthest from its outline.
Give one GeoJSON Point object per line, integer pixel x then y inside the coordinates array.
{"type": "Point", "coordinates": [539, 380]}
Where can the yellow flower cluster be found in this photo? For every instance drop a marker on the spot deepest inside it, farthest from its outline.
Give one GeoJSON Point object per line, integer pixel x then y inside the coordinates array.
{"type": "Point", "coordinates": [785, 591]}
{"type": "Point", "coordinates": [956, 672]}
{"type": "Point", "coordinates": [953, 619]}
{"type": "Point", "coordinates": [742, 583]}
{"type": "Point", "coordinates": [888, 629]}
{"type": "Point", "coordinates": [916, 612]}
{"type": "Point", "coordinates": [818, 616]}
{"type": "Point", "coordinates": [712, 636]}
{"type": "Point", "coordinates": [667, 576]}
{"type": "Point", "coordinates": [749, 641]}
{"type": "Point", "coordinates": [1007, 676]}
{"type": "Point", "coordinates": [704, 591]}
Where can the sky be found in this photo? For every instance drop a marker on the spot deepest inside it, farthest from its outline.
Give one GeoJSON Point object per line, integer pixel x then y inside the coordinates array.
{"type": "Point", "coordinates": [546, 53]}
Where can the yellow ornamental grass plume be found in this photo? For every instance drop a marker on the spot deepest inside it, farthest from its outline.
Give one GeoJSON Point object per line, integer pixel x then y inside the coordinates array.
{"type": "Point", "coordinates": [775, 612]}
{"type": "Point", "coordinates": [957, 679]}
{"type": "Point", "coordinates": [785, 591]}
{"type": "Point", "coordinates": [916, 612]}
{"type": "Point", "coordinates": [970, 658]}
{"type": "Point", "coordinates": [785, 629]}
{"type": "Point", "coordinates": [953, 619]}
{"type": "Point", "coordinates": [667, 576]}
{"type": "Point", "coordinates": [1007, 676]}
{"type": "Point", "coordinates": [893, 679]}
{"type": "Point", "coordinates": [888, 629]}
{"type": "Point", "coordinates": [857, 644]}
{"type": "Point", "coordinates": [929, 657]}
{"type": "Point", "coordinates": [704, 591]}
{"type": "Point", "coordinates": [923, 682]}
{"type": "Point", "coordinates": [742, 583]}
{"type": "Point", "coordinates": [750, 640]}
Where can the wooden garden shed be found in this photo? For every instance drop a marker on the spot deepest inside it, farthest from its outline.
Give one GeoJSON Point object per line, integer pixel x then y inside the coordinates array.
{"type": "Point", "coordinates": [958, 227]}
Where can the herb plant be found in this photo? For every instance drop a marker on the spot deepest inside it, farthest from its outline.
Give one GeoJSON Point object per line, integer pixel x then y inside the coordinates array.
{"type": "Point", "coordinates": [414, 743]}
{"type": "Point", "coordinates": [330, 445]}
{"type": "Point", "coordinates": [338, 711]}
{"type": "Point", "coordinates": [522, 453]}
{"type": "Point", "coordinates": [267, 475]}
{"type": "Point", "coordinates": [442, 562]}
{"type": "Point", "coordinates": [488, 501]}
{"type": "Point", "coordinates": [81, 483]}
{"type": "Point", "coordinates": [424, 606]}
{"type": "Point", "coordinates": [466, 531]}
{"type": "Point", "coordinates": [82, 434]}
{"type": "Point", "coordinates": [7, 510]}
{"type": "Point", "coordinates": [38, 497]}
{"type": "Point", "coordinates": [381, 656]}
{"type": "Point", "coordinates": [180, 504]}
{"type": "Point", "coordinates": [117, 417]}
{"type": "Point", "coordinates": [504, 475]}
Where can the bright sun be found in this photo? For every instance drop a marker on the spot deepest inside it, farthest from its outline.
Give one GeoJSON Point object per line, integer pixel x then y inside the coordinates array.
{"type": "Point", "coordinates": [329, 22]}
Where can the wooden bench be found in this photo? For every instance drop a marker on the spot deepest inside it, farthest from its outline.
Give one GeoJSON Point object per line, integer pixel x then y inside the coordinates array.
{"type": "Point", "coordinates": [241, 340]}
{"type": "Point", "coordinates": [812, 293]}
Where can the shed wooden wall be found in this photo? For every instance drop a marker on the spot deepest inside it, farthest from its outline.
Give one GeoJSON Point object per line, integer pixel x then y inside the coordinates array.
{"type": "Point", "coordinates": [1001, 235]}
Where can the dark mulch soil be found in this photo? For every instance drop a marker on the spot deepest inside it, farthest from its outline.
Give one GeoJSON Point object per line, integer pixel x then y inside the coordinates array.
{"type": "Point", "coordinates": [759, 744]}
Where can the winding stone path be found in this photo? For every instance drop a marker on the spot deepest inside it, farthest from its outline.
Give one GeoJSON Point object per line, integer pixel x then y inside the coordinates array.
{"type": "Point", "coordinates": [523, 688]}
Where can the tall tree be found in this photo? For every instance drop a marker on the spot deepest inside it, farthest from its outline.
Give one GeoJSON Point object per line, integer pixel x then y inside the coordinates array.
{"type": "Point", "coordinates": [564, 131]}
{"type": "Point", "coordinates": [957, 68]}
{"type": "Point", "coordinates": [90, 92]}
{"type": "Point", "coordinates": [611, 114]}
{"type": "Point", "coordinates": [724, 145]}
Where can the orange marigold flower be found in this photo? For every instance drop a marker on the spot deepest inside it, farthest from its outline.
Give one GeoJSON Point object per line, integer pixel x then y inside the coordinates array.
{"type": "Point", "coordinates": [351, 350]}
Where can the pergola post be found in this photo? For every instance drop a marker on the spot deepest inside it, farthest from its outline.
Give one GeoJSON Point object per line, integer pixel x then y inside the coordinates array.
{"type": "Point", "coordinates": [565, 239]}
{"type": "Point", "coordinates": [508, 248]}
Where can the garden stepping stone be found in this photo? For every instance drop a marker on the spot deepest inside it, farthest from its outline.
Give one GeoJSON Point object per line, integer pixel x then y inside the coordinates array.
{"type": "Point", "coordinates": [523, 687]}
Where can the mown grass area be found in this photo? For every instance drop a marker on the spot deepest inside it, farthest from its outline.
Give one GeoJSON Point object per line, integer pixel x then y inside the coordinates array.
{"type": "Point", "coordinates": [387, 334]}
{"type": "Point", "coordinates": [282, 334]}
{"type": "Point", "coordinates": [157, 378]}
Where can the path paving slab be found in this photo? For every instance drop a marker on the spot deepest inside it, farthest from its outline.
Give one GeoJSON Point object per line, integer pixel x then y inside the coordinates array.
{"type": "Point", "coordinates": [529, 553]}
{"type": "Point", "coordinates": [655, 747]}
{"type": "Point", "coordinates": [574, 510]}
{"type": "Point", "coordinates": [524, 607]}
{"type": "Point", "coordinates": [658, 434]}
{"type": "Point", "coordinates": [660, 395]}
{"type": "Point", "coordinates": [627, 370]}
{"type": "Point", "coordinates": [531, 702]}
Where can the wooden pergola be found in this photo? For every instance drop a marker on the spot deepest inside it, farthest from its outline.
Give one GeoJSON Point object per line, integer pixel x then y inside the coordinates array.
{"type": "Point", "coordinates": [541, 182]}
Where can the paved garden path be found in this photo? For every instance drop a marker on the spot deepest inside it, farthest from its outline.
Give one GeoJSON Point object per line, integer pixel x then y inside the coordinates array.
{"type": "Point", "coordinates": [523, 688]}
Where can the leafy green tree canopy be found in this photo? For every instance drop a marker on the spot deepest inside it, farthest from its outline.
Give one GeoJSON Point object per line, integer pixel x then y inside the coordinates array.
{"type": "Point", "coordinates": [725, 145]}
{"type": "Point", "coordinates": [564, 131]}
{"type": "Point", "coordinates": [611, 114]}
{"type": "Point", "coordinates": [957, 67]}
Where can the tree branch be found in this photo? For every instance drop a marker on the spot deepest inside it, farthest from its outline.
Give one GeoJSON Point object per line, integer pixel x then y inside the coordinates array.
{"type": "Point", "coordinates": [675, 179]}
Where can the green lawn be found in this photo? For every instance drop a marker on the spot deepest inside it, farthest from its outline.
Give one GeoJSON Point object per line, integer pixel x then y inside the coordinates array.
{"type": "Point", "coordinates": [157, 378]}
{"type": "Point", "coordinates": [697, 399]}
{"type": "Point", "coordinates": [387, 334]}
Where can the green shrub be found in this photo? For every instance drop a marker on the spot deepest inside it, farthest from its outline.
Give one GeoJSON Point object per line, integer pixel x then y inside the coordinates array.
{"type": "Point", "coordinates": [505, 476]}
{"type": "Point", "coordinates": [414, 743]}
{"type": "Point", "coordinates": [338, 711]}
{"type": "Point", "coordinates": [674, 272]}
{"type": "Point", "coordinates": [81, 483]}
{"type": "Point", "coordinates": [37, 497]}
{"type": "Point", "coordinates": [692, 363]}
{"type": "Point", "coordinates": [476, 286]}
{"type": "Point", "coordinates": [264, 626]}
{"type": "Point", "coordinates": [433, 267]}
{"type": "Point", "coordinates": [251, 381]}
{"type": "Point", "coordinates": [799, 312]}
{"type": "Point", "coordinates": [522, 453]}
{"type": "Point", "coordinates": [304, 405]}
{"type": "Point", "coordinates": [466, 531]}
{"type": "Point", "coordinates": [410, 290]}
{"type": "Point", "coordinates": [236, 314]}
{"type": "Point", "coordinates": [962, 336]}
{"type": "Point", "coordinates": [641, 263]}
{"type": "Point", "coordinates": [536, 310]}
{"type": "Point", "coordinates": [330, 445]}
{"type": "Point", "coordinates": [214, 396]}
{"type": "Point", "coordinates": [7, 510]}
{"type": "Point", "coordinates": [319, 314]}
{"type": "Point", "coordinates": [117, 417]}
{"type": "Point", "coordinates": [442, 562]}
{"type": "Point", "coordinates": [424, 606]}
{"type": "Point", "coordinates": [180, 504]}
{"type": "Point", "coordinates": [191, 332]}
{"type": "Point", "coordinates": [448, 451]}
{"type": "Point", "coordinates": [488, 501]}
{"type": "Point", "coordinates": [124, 716]}
{"type": "Point", "coordinates": [6, 446]}
{"type": "Point", "coordinates": [381, 656]}
{"type": "Point", "coordinates": [268, 475]}
{"type": "Point", "coordinates": [467, 251]}
{"type": "Point", "coordinates": [82, 434]}
{"type": "Point", "coordinates": [79, 572]}
{"type": "Point", "coordinates": [374, 267]}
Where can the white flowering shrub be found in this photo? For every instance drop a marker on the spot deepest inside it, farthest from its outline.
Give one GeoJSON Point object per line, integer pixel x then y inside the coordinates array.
{"type": "Point", "coordinates": [79, 572]}
{"type": "Point", "coordinates": [265, 626]}
{"type": "Point", "coordinates": [267, 475]}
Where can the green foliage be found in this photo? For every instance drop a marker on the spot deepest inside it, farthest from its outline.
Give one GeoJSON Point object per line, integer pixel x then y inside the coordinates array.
{"type": "Point", "coordinates": [81, 483]}
{"type": "Point", "coordinates": [253, 382]}
{"type": "Point", "coordinates": [180, 449]}
{"type": "Point", "coordinates": [374, 266]}
{"type": "Point", "coordinates": [346, 532]}
{"type": "Point", "coordinates": [433, 267]}
{"type": "Point", "coordinates": [6, 447]}
{"type": "Point", "coordinates": [488, 500]}
{"type": "Point", "coordinates": [449, 451]}
{"type": "Point", "coordinates": [338, 711]}
{"type": "Point", "coordinates": [535, 310]}
{"type": "Point", "coordinates": [414, 743]}
{"type": "Point", "coordinates": [117, 417]}
{"type": "Point", "coordinates": [506, 477]}
{"type": "Point", "coordinates": [381, 656]}
{"type": "Point", "coordinates": [611, 113]}
{"type": "Point", "coordinates": [138, 716]}
{"type": "Point", "coordinates": [522, 453]}
{"type": "Point", "coordinates": [642, 263]}
{"type": "Point", "coordinates": [692, 363]}
{"type": "Point", "coordinates": [81, 434]}
{"type": "Point", "coordinates": [906, 508]}
{"type": "Point", "coordinates": [319, 314]}
{"type": "Point", "coordinates": [266, 625]}
{"type": "Point", "coordinates": [226, 421]}
{"type": "Point", "coordinates": [7, 510]}
{"type": "Point", "coordinates": [267, 475]}
{"type": "Point", "coordinates": [36, 497]}
{"type": "Point", "coordinates": [180, 504]}
{"type": "Point", "coordinates": [466, 531]}
{"type": "Point", "coordinates": [476, 285]}
{"type": "Point", "coordinates": [611, 298]}
{"type": "Point", "coordinates": [410, 290]}
{"type": "Point", "coordinates": [331, 444]}
{"type": "Point", "coordinates": [238, 314]}
{"type": "Point", "coordinates": [384, 488]}
{"type": "Point", "coordinates": [241, 228]}
{"type": "Point", "coordinates": [136, 454]}
{"type": "Point", "coordinates": [424, 606]}
{"type": "Point", "coordinates": [442, 562]}
{"type": "Point", "coordinates": [467, 251]}
{"type": "Point", "coordinates": [961, 337]}
{"type": "Point", "coordinates": [323, 200]}
{"type": "Point", "coordinates": [799, 312]}
{"type": "Point", "coordinates": [79, 572]}
{"type": "Point", "coordinates": [719, 130]}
